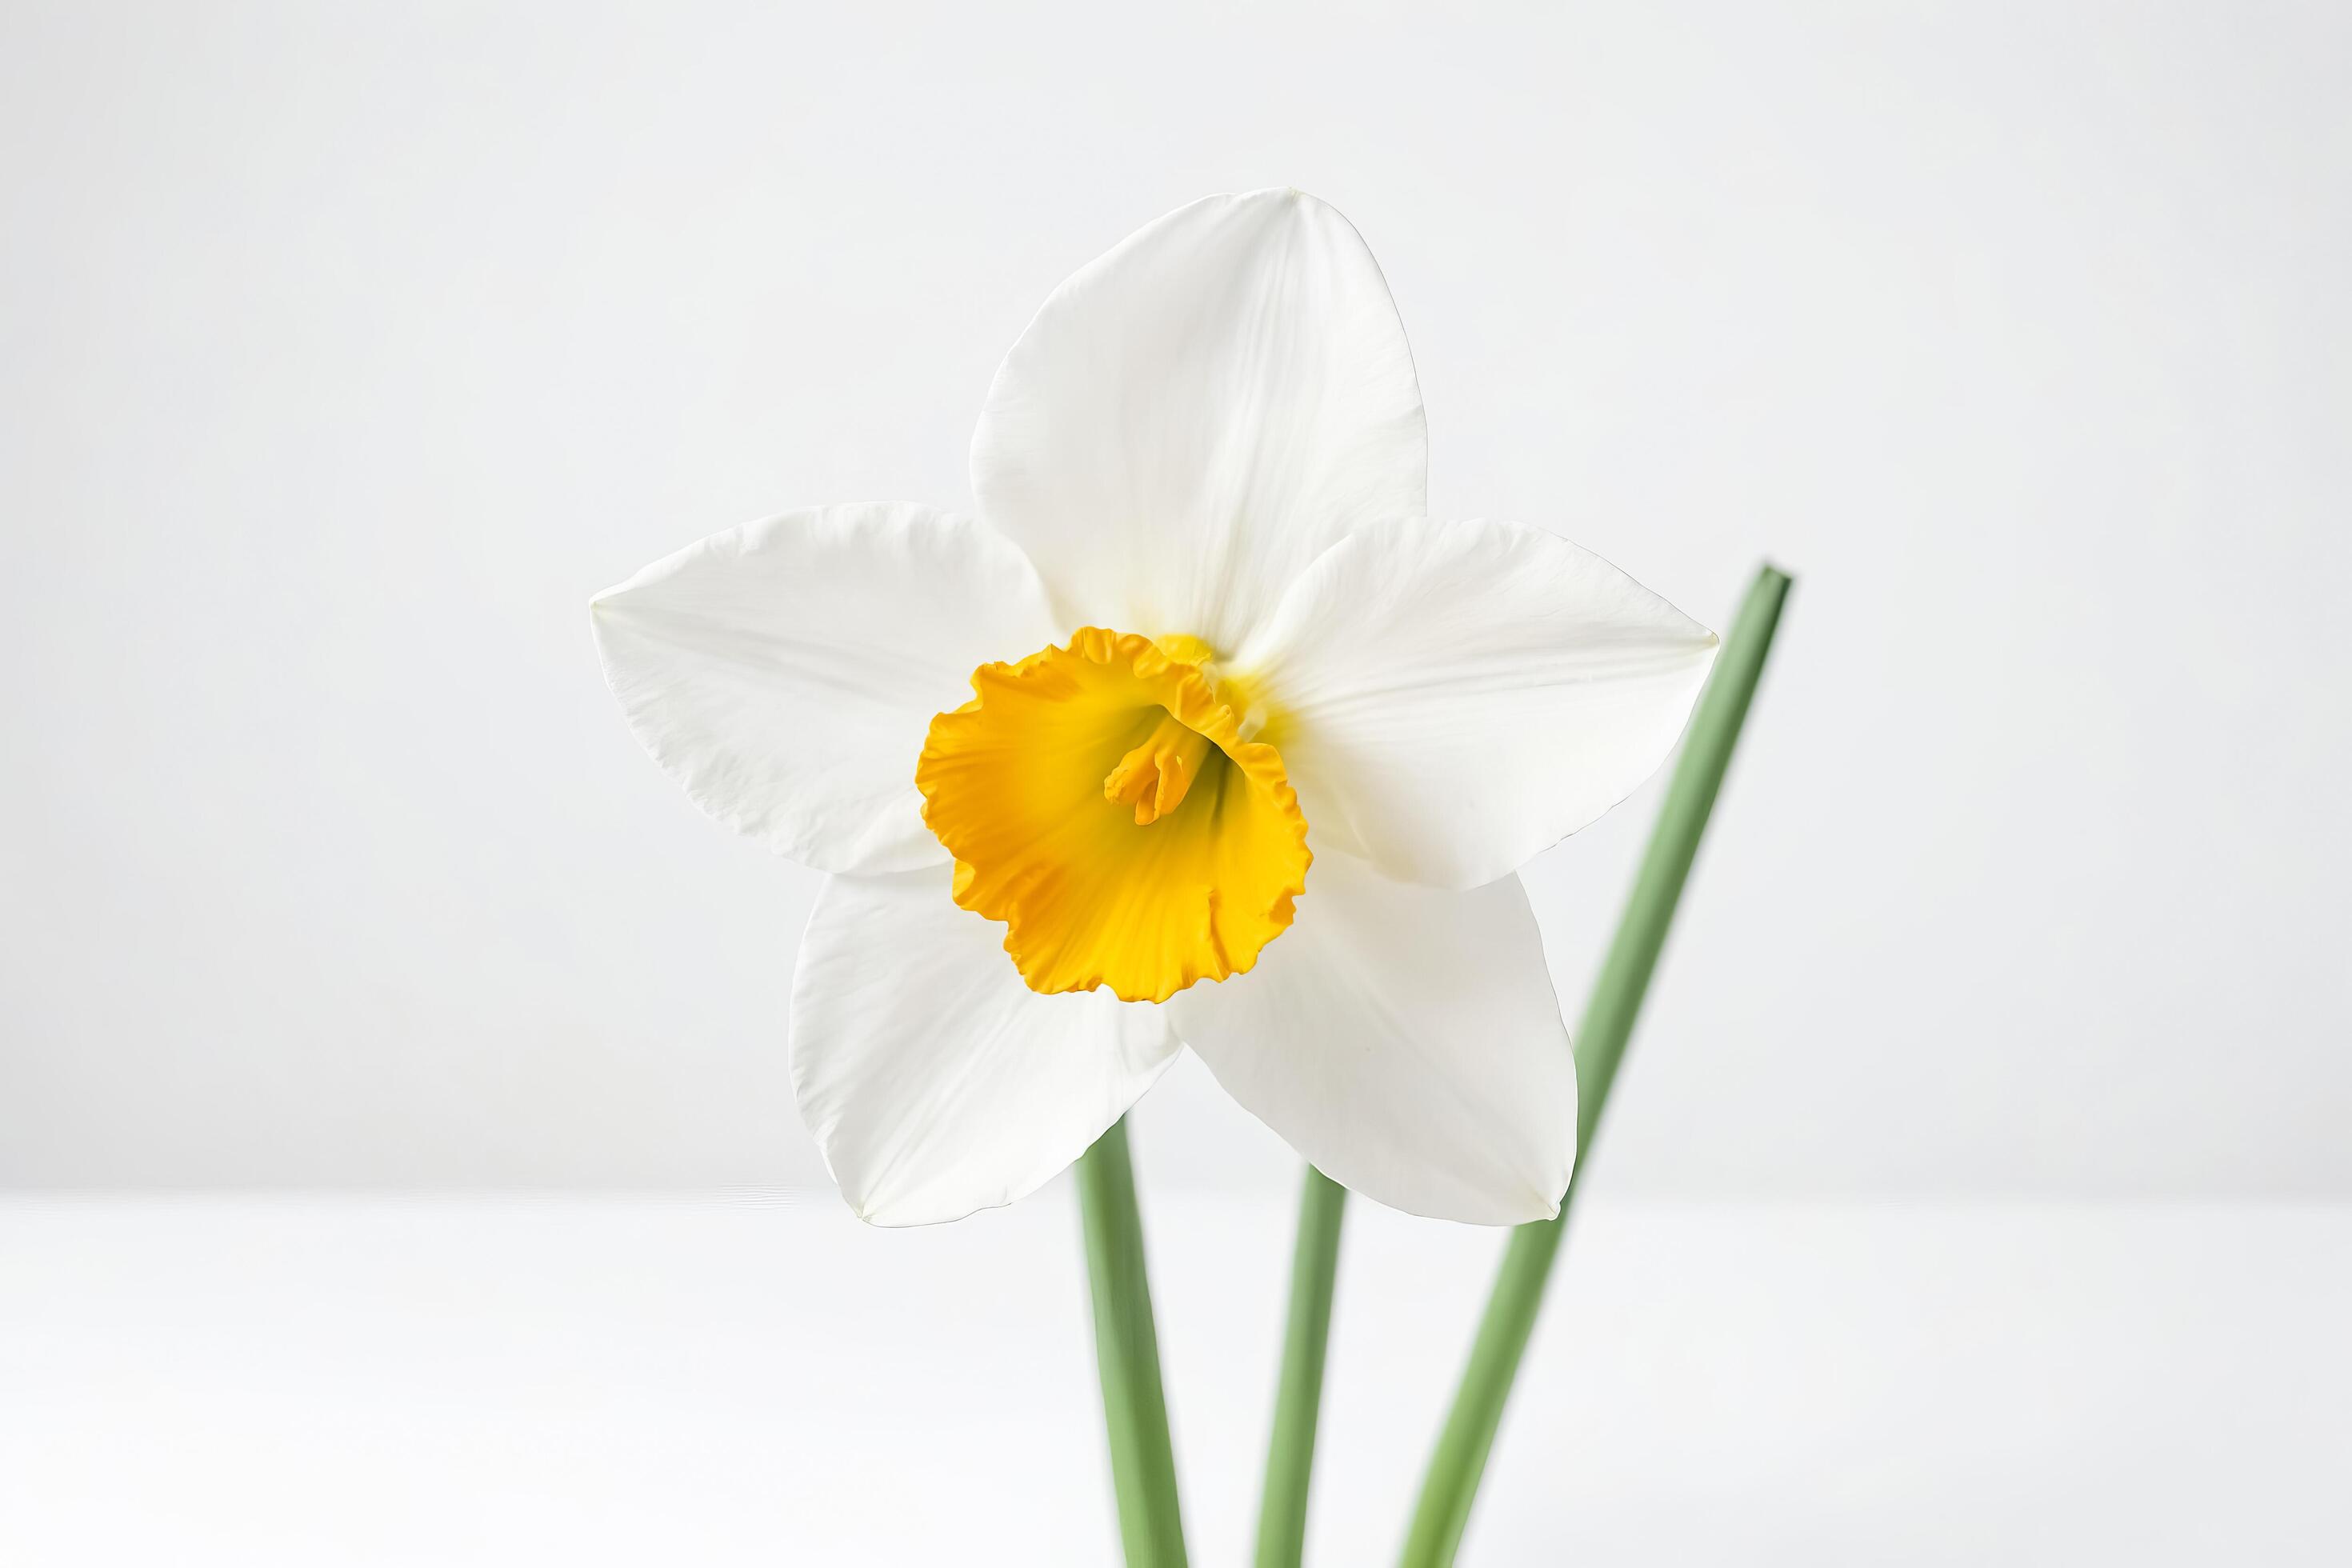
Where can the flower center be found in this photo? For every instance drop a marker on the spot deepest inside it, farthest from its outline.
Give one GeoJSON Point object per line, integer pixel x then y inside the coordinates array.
{"type": "Point", "coordinates": [1100, 801]}
{"type": "Point", "coordinates": [1154, 777]}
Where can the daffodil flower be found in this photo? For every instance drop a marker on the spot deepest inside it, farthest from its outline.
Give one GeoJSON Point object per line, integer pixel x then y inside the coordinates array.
{"type": "Point", "coordinates": [1200, 735]}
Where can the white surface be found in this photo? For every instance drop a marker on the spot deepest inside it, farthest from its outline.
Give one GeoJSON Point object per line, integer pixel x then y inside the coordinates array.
{"type": "Point", "coordinates": [346, 350]}
{"type": "Point", "coordinates": [316, 1382]}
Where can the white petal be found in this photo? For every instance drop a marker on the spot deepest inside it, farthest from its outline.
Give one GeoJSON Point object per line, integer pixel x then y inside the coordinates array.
{"type": "Point", "coordinates": [1452, 698]}
{"type": "Point", "coordinates": [1406, 1040]}
{"type": "Point", "coordinates": [934, 1080]}
{"type": "Point", "coordinates": [1199, 413]}
{"type": "Point", "coordinates": [785, 672]}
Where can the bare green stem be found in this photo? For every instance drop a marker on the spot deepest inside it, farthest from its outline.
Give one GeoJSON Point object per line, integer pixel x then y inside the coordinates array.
{"type": "Point", "coordinates": [1298, 1398]}
{"type": "Point", "coordinates": [1127, 1354]}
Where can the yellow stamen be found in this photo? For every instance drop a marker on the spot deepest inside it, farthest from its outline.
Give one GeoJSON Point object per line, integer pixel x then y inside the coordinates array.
{"type": "Point", "coordinates": [1155, 776]}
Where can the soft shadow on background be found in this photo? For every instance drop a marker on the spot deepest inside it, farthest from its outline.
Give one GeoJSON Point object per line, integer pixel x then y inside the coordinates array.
{"type": "Point", "coordinates": [345, 352]}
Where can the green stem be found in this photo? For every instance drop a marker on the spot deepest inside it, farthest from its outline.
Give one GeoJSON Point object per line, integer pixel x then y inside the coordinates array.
{"type": "Point", "coordinates": [1127, 1354]}
{"type": "Point", "coordinates": [1299, 1399]}
{"type": "Point", "coordinates": [1469, 1434]}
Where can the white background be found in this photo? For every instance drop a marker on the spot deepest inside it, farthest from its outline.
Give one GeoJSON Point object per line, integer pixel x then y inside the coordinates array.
{"type": "Point", "coordinates": [291, 1382]}
{"type": "Point", "coordinates": [345, 352]}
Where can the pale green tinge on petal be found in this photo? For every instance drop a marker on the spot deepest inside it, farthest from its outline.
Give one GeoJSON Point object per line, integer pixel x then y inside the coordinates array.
{"type": "Point", "coordinates": [1196, 414]}
{"type": "Point", "coordinates": [1406, 1040]}
{"type": "Point", "coordinates": [934, 1080]}
{"type": "Point", "coordinates": [784, 672]}
{"type": "Point", "coordinates": [1451, 698]}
